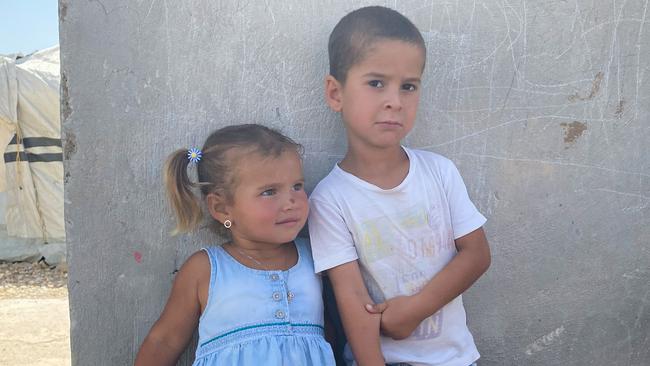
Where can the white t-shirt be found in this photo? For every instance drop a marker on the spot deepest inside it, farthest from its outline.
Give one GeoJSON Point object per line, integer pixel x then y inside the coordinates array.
{"type": "Point", "coordinates": [401, 237]}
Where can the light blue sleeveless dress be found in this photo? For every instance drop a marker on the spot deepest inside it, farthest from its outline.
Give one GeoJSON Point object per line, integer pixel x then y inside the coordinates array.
{"type": "Point", "coordinates": [256, 317]}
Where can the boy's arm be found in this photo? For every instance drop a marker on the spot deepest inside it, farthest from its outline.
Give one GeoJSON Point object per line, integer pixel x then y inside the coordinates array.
{"type": "Point", "coordinates": [401, 315]}
{"type": "Point", "coordinates": [361, 327]}
{"type": "Point", "coordinates": [172, 332]}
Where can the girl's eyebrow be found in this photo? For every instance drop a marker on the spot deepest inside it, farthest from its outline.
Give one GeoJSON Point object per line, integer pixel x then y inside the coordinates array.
{"type": "Point", "coordinates": [268, 185]}
{"type": "Point", "coordinates": [277, 184]}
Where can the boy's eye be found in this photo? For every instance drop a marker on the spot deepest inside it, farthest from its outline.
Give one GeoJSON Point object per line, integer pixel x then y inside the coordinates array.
{"type": "Point", "coordinates": [409, 87]}
{"type": "Point", "coordinates": [376, 83]}
{"type": "Point", "coordinates": [268, 192]}
{"type": "Point", "coordinates": [298, 187]}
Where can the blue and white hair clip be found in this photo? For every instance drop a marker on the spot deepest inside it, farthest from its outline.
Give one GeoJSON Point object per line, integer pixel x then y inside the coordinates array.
{"type": "Point", "coordinates": [194, 155]}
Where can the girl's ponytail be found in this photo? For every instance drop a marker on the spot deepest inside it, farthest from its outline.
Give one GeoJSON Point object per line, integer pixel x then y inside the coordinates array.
{"type": "Point", "coordinates": [185, 204]}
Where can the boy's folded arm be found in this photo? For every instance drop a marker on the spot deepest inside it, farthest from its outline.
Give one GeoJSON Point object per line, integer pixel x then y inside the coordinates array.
{"type": "Point", "coordinates": [472, 260]}
{"type": "Point", "coordinates": [361, 327]}
{"type": "Point", "coordinates": [401, 315]}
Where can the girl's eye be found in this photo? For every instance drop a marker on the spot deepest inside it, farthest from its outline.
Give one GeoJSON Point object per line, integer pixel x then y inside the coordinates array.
{"type": "Point", "coordinates": [268, 192]}
{"type": "Point", "coordinates": [376, 83]}
{"type": "Point", "coordinates": [409, 87]}
{"type": "Point", "coordinates": [298, 187]}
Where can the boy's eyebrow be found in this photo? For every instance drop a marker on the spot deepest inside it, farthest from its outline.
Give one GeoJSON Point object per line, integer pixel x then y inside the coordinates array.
{"type": "Point", "coordinates": [374, 75]}
{"type": "Point", "coordinates": [382, 76]}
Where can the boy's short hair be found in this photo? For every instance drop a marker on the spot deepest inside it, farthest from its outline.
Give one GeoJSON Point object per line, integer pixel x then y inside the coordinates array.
{"type": "Point", "coordinates": [356, 32]}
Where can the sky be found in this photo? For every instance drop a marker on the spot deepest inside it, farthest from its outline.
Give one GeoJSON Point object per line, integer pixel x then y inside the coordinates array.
{"type": "Point", "coordinates": [28, 25]}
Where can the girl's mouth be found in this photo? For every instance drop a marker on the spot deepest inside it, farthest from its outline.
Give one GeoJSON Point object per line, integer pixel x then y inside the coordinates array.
{"type": "Point", "coordinates": [287, 222]}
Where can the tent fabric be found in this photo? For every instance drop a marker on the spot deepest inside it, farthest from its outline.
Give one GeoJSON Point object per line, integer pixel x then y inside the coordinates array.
{"type": "Point", "coordinates": [30, 130]}
{"type": "Point", "coordinates": [8, 108]}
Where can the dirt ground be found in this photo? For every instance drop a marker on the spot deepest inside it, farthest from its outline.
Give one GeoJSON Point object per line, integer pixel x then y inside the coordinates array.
{"type": "Point", "coordinates": [34, 317]}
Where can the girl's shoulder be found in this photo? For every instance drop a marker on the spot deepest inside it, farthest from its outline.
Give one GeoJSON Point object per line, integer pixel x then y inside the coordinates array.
{"type": "Point", "coordinates": [197, 259]}
{"type": "Point", "coordinates": [196, 266]}
{"type": "Point", "coordinates": [194, 275]}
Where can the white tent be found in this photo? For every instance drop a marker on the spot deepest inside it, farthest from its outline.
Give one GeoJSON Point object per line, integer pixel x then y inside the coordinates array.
{"type": "Point", "coordinates": [31, 172]}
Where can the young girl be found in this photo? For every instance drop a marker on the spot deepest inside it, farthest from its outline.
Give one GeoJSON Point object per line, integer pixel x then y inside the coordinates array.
{"type": "Point", "coordinates": [255, 299]}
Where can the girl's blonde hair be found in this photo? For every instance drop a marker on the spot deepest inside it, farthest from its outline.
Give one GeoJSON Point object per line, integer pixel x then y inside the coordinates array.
{"type": "Point", "coordinates": [216, 169]}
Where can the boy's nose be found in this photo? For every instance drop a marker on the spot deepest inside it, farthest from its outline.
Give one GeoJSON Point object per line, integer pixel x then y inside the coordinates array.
{"type": "Point", "coordinates": [393, 101]}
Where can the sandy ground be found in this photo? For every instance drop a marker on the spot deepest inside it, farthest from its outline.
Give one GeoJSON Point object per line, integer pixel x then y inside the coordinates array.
{"type": "Point", "coordinates": [34, 317]}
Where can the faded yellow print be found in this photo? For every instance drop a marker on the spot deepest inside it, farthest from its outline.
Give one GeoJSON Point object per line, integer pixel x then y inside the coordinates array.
{"type": "Point", "coordinates": [399, 251]}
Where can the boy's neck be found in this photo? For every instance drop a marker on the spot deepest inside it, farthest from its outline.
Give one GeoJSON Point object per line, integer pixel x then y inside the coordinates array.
{"type": "Point", "coordinates": [385, 168]}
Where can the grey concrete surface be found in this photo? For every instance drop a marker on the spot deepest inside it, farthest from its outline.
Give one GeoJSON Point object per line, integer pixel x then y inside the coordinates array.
{"type": "Point", "coordinates": [544, 107]}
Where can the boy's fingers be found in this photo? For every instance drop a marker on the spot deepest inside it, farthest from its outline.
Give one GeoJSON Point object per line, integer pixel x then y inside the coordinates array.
{"type": "Point", "coordinates": [376, 308]}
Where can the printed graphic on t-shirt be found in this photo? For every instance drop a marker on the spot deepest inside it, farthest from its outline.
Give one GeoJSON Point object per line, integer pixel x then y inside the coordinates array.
{"type": "Point", "coordinates": [401, 252]}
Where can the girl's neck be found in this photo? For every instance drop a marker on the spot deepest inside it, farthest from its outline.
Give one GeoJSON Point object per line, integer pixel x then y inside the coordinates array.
{"type": "Point", "coordinates": [269, 257]}
{"type": "Point", "coordinates": [385, 168]}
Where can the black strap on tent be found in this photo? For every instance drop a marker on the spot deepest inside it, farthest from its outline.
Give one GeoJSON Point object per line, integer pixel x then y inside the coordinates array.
{"type": "Point", "coordinates": [10, 157]}
{"type": "Point", "coordinates": [30, 142]}
{"type": "Point", "coordinates": [37, 142]}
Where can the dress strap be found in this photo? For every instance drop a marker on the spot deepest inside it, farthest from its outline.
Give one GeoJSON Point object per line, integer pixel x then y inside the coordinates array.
{"type": "Point", "coordinates": [213, 255]}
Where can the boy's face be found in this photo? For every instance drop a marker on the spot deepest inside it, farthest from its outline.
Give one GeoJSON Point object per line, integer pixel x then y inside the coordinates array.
{"type": "Point", "coordinates": [380, 97]}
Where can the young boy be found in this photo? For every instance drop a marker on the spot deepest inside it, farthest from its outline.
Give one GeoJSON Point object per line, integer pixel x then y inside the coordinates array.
{"type": "Point", "coordinates": [393, 226]}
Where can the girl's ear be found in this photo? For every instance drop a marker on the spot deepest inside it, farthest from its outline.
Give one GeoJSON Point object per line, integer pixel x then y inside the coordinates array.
{"type": "Point", "coordinates": [333, 90]}
{"type": "Point", "coordinates": [217, 207]}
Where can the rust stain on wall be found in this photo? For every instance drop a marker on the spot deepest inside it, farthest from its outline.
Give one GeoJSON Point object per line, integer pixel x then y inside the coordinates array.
{"type": "Point", "coordinates": [69, 144]}
{"type": "Point", "coordinates": [66, 110]}
{"type": "Point", "coordinates": [595, 88]}
{"type": "Point", "coordinates": [573, 130]}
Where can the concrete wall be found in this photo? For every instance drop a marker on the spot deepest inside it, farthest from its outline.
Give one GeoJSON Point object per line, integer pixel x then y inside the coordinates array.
{"type": "Point", "coordinates": [544, 106]}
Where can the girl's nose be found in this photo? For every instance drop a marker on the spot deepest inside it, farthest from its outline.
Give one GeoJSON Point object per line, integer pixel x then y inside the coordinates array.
{"type": "Point", "coordinates": [290, 203]}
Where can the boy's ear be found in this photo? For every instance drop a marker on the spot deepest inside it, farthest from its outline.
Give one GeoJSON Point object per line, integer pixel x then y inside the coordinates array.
{"type": "Point", "coordinates": [333, 90]}
{"type": "Point", "coordinates": [217, 207]}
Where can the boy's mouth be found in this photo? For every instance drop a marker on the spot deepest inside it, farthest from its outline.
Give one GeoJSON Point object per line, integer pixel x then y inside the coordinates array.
{"type": "Point", "coordinates": [389, 123]}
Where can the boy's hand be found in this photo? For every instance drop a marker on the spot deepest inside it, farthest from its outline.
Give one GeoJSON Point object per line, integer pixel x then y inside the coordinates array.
{"type": "Point", "coordinates": [398, 316]}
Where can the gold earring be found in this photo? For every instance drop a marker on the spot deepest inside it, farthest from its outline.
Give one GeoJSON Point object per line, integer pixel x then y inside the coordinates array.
{"type": "Point", "coordinates": [227, 224]}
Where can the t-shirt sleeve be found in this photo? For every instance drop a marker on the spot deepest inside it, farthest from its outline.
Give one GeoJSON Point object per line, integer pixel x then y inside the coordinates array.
{"type": "Point", "coordinates": [465, 218]}
{"type": "Point", "coordinates": [331, 241]}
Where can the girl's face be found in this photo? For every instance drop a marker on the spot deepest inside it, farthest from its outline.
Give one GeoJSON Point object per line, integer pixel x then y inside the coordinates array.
{"type": "Point", "coordinates": [269, 203]}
